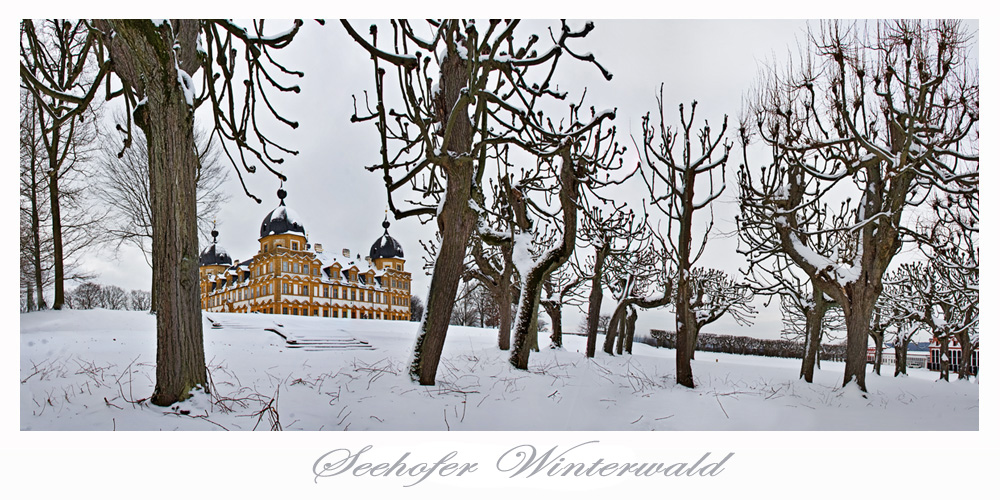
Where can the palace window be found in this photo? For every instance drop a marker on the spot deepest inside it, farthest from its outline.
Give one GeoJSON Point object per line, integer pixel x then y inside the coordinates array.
{"type": "Point", "coordinates": [353, 296]}
{"type": "Point", "coordinates": [326, 291]}
{"type": "Point", "coordinates": [295, 245]}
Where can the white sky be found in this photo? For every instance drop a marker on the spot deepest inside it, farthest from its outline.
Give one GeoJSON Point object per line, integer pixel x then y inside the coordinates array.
{"type": "Point", "coordinates": [342, 205]}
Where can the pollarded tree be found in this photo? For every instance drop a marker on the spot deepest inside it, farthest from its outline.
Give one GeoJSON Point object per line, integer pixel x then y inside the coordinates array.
{"type": "Point", "coordinates": [801, 321]}
{"type": "Point", "coordinates": [156, 63]}
{"type": "Point", "coordinates": [677, 163]}
{"type": "Point", "coordinates": [714, 295]}
{"type": "Point", "coordinates": [770, 272]}
{"type": "Point", "coordinates": [877, 118]}
{"type": "Point", "coordinates": [945, 299]}
{"type": "Point", "coordinates": [613, 230]}
{"type": "Point", "coordinates": [562, 288]}
{"type": "Point", "coordinates": [461, 91]}
{"type": "Point", "coordinates": [643, 277]}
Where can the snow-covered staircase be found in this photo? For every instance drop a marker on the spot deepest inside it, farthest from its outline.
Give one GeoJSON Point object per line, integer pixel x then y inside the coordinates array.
{"type": "Point", "coordinates": [308, 339]}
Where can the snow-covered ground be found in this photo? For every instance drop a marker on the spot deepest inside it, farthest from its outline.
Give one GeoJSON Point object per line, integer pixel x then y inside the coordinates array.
{"type": "Point", "coordinates": [93, 370]}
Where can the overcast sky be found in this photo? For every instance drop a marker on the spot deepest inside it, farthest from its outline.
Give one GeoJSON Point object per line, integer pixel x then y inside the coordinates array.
{"type": "Point", "coordinates": [342, 205]}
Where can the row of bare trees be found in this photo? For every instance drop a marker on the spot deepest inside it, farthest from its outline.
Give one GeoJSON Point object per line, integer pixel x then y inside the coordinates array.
{"type": "Point", "coordinates": [519, 176]}
{"type": "Point", "coordinates": [873, 121]}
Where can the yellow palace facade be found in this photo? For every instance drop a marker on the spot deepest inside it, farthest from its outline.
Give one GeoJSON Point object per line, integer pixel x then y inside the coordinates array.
{"type": "Point", "coordinates": [290, 276]}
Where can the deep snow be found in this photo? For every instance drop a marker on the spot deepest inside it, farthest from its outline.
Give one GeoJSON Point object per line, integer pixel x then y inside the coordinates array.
{"type": "Point", "coordinates": [92, 370]}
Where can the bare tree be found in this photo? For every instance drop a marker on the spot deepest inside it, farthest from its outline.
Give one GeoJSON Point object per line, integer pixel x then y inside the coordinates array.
{"type": "Point", "coordinates": [35, 243]}
{"type": "Point", "coordinates": [562, 288]}
{"type": "Point", "coordinates": [462, 92]}
{"type": "Point", "coordinates": [877, 118]}
{"type": "Point", "coordinates": [113, 297]}
{"type": "Point", "coordinates": [87, 295]}
{"type": "Point", "coordinates": [672, 178]}
{"type": "Point", "coordinates": [55, 54]}
{"type": "Point", "coordinates": [809, 319]}
{"type": "Point", "coordinates": [123, 187]}
{"type": "Point", "coordinates": [946, 300]}
{"type": "Point", "coordinates": [139, 300]}
{"type": "Point", "coordinates": [613, 230]}
{"type": "Point", "coordinates": [714, 295]}
{"type": "Point", "coordinates": [156, 62]}
{"type": "Point", "coordinates": [416, 308]}
{"type": "Point", "coordinates": [642, 277]}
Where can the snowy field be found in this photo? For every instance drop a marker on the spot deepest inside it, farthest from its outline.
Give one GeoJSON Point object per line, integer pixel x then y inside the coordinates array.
{"type": "Point", "coordinates": [92, 370]}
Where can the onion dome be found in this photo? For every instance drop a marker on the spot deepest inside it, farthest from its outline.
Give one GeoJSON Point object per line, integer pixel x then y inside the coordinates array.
{"type": "Point", "coordinates": [214, 254]}
{"type": "Point", "coordinates": [386, 247]}
{"type": "Point", "coordinates": [281, 220]}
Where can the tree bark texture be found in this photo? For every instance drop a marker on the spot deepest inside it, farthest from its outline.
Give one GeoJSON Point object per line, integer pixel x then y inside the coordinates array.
{"type": "Point", "coordinates": [901, 348]}
{"type": "Point", "coordinates": [455, 223]}
{"type": "Point", "coordinates": [554, 311]}
{"type": "Point", "coordinates": [145, 60]}
{"type": "Point", "coordinates": [526, 323]}
{"type": "Point", "coordinates": [594, 303]}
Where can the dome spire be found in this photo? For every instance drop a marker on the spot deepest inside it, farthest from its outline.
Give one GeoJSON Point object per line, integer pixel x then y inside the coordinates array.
{"type": "Point", "coordinates": [282, 193]}
{"type": "Point", "coordinates": [215, 233]}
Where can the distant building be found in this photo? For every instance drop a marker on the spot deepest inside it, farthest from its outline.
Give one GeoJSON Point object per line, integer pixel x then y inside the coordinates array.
{"type": "Point", "coordinates": [915, 358]}
{"type": "Point", "coordinates": [954, 356]}
{"type": "Point", "coordinates": [289, 276]}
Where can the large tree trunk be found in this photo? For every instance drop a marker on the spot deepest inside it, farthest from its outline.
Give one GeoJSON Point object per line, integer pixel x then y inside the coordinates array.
{"type": "Point", "coordinates": [814, 334]}
{"type": "Point", "coordinates": [614, 326]}
{"type": "Point", "coordinates": [455, 223]}
{"type": "Point", "coordinates": [858, 316]}
{"type": "Point", "coordinates": [594, 303]}
{"type": "Point", "coordinates": [945, 359]}
{"type": "Point", "coordinates": [965, 368]}
{"type": "Point", "coordinates": [555, 315]}
{"type": "Point", "coordinates": [878, 337]}
{"type": "Point", "coordinates": [36, 250]}
{"type": "Point", "coordinates": [504, 300]}
{"type": "Point", "coordinates": [685, 322]}
{"type": "Point", "coordinates": [900, 349]}
{"type": "Point", "coordinates": [57, 243]}
{"type": "Point", "coordinates": [633, 315]}
{"type": "Point", "coordinates": [144, 58]}
{"type": "Point", "coordinates": [526, 323]}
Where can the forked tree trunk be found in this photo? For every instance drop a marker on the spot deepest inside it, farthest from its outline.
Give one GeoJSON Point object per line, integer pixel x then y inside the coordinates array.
{"type": "Point", "coordinates": [615, 329]}
{"type": "Point", "coordinates": [144, 58]}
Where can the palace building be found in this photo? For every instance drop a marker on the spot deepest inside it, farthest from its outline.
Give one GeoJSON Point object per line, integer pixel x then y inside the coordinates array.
{"type": "Point", "coordinates": [290, 276]}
